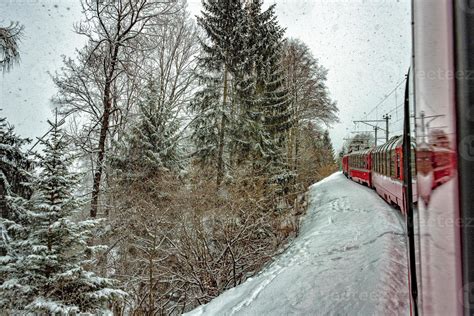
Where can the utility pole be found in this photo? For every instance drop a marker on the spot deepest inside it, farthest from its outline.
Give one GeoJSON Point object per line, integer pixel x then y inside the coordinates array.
{"type": "Point", "coordinates": [386, 117]}
{"type": "Point", "coordinates": [425, 125]}
{"type": "Point", "coordinates": [376, 128]}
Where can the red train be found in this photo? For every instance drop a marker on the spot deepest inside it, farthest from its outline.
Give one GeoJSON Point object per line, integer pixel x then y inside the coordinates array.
{"type": "Point", "coordinates": [380, 168]}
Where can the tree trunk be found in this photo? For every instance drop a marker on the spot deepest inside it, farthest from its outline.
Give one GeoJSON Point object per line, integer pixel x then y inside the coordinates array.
{"type": "Point", "coordinates": [220, 154]}
{"type": "Point", "coordinates": [104, 129]}
{"type": "Point", "coordinates": [151, 304]}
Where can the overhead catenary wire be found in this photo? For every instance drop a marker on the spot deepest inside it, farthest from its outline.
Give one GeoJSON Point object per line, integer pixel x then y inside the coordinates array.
{"type": "Point", "coordinates": [388, 113]}
{"type": "Point", "coordinates": [386, 97]}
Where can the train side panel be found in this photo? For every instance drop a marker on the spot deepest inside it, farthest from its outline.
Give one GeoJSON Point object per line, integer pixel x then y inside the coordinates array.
{"type": "Point", "coordinates": [437, 217]}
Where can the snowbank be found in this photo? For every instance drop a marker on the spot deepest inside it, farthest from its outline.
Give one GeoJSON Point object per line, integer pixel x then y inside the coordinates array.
{"type": "Point", "coordinates": [350, 258]}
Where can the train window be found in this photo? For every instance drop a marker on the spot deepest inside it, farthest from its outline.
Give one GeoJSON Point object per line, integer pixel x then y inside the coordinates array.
{"type": "Point", "coordinates": [398, 162]}
{"type": "Point", "coordinates": [379, 154]}
{"type": "Point", "coordinates": [382, 152]}
{"type": "Point", "coordinates": [374, 161]}
{"type": "Point", "coordinates": [394, 163]}
{"type": "Point", "coordinates": [380, 162]}
{"type": "Point", "coordinates": [389, 161]}
{"type": "Point", "coordinates": [383, 161]}
{"type": "Point", "coordinates": [377, 162]}
{"type": "Point", "coordinates": [413, 161]}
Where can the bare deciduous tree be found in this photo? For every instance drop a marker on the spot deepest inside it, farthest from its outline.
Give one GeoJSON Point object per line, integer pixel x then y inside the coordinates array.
{"type": "Point", "coordinates": [114, 30]}
{"type": "Point", "coordinates": [306, 81]}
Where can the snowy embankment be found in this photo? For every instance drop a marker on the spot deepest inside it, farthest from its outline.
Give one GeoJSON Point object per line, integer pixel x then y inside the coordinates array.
{"type": "Point", "coordinates": [350, 258]}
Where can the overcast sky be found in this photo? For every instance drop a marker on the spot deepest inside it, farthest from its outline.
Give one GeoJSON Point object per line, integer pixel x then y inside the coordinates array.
{"type": "Point", "coordinates": [365, 45]}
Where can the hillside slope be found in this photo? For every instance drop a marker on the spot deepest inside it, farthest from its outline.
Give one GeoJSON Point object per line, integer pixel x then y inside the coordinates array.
{"type": "Point", "coordinates": [350, 258]}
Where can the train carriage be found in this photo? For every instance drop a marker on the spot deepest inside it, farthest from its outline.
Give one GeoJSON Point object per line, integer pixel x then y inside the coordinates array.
{"type": "Point", "coordinates": [381, 168]}
{"type": "Point", "coordinates": [359, 167]}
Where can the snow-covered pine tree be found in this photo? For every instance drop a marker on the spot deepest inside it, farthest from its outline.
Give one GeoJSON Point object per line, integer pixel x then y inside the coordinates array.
{"type": "Point", "coordinates": [327, 151]}
{"type": "Point", "coordinates": [223, 23]}
{"type": "Point", "coordinates": [154, 140]}
{"type": "Point", "coordinates": [327, 144]}
{"type": "Point", "coordinates": [264, 99]}
{"type": "Point", "coordinates": [207, 106]}
{"type": "Point", "coordinates": [51, 275]}
{"type": "Point", "coordinates": [276, 109]}
{"type": "Point", "coordinates": [14, 167]}
{"type": "Point", "coordinates": [15, 191]}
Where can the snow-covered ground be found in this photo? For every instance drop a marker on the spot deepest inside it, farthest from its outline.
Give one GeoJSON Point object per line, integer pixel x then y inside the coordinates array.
{"type": "Point", "coordinates": [350, 258]}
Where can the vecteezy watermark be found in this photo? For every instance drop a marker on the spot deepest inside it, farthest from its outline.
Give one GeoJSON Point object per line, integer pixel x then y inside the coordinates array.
{"type": "Point", "coordinates": [470, 114]}
{"type": "Point", "coordinates": [41, 2]}
{"type": "Point", "coordinates": [466, 148]}
{"type": "Point", "coordinates": [350, 295]}
{"type": "Point", "coordinates": [444, 74]}
{"type": "Point", "coordinates": [466, 295]}
{"type": "Point", "coordinates": [466, 6]}
{"type": "Point", "coordinates": [445, 221]}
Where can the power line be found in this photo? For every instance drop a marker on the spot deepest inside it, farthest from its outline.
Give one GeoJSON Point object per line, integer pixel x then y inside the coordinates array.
{"type": "Point", "coordinates": [386, 97]}
{"type": "Point", "coordinates": [386, 117]}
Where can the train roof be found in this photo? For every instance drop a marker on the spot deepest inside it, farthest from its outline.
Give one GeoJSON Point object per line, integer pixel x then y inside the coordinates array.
{"type": "Point", "coordinates": [394, 142]}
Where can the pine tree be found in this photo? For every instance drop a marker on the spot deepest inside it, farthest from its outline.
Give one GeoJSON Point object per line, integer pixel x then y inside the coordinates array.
{"type": "Point", "coordinates": [14, 168]}
{"type": "Point", "coordinates": [223, 23]}
{"type": "Point", "coordinates": [327, 145]}
{"type": "Point", "coordinates": [15, 191]}
{"type": "Point", "coordinates": [154, 140]}
{"type": "Point", "coordinates": [51, 275]}
{"type": "Point", "coordinates": [209, 114]}
{"type": "Point", "coordinates": [262, 92]}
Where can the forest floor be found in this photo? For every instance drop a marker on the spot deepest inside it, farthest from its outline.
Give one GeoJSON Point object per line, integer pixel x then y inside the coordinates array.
{"type": "Point", "coordinates": [349, 258]}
